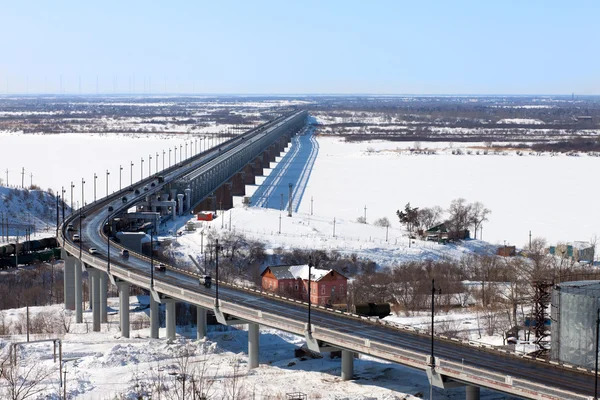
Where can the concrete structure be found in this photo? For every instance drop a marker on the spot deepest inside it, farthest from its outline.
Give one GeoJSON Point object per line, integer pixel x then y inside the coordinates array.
{"type": "Point", "coordinates": [124, 308]}
{"type": "Point", "coordinates": [170, 319]}
{"type": "Point", "coordinates": [347, 365]}
{"type": "Point", "coordinates": [154, 318]}
{"type": "Point", "coordinates": [69, 280]}
{"type": "Point", "coordinates": [328, 286]}
{"type": "Point", "coordinates": [200, 322]}
{"type": "Point", "coordinates": [253, 345]}
{"type": "Point", "coordinates": [95, 274]}
{"type": "Point", "coordinates": [577, 251]}
{"type": "Point", "coordinates": [573, 315]}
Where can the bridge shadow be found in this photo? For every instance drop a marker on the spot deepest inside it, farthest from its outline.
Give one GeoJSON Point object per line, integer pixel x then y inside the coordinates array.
{"type": "Point", "coordinates": [295, 168]}
{"type": "Point", "coordinates": [277, 350]}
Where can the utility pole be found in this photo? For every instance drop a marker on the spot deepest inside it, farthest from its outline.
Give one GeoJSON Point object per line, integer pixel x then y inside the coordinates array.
{"type": "Point", "coordinates": [387, 228]}
{"type": "Point", "coordinates": [529, 240]}
{"type": "Point", "coordinates": [23, 178]}
{"type": "Point", "coordinates": [95, 178]}
{"type": "Point", "coordinates": [281, 203]}
{"type": "Point", "coordinates": [333, 226]}
{"type": "Point", "coordinates": [311, 205]}
{"type": "Point", "coordinates": [6, 177]}
{"type": "Point", "coordinates": [30, 180]}
{"type": "Point", "coordinates": [72, 186]}
{"type": "Point", "coordinates": [365, 214]}
{"type": "Point", "coordinates": [279, 224]}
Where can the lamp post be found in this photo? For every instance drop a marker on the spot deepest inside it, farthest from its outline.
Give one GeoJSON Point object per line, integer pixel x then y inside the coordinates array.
{"type": "Point", "coordinates": [309, 285]}
{"type": "Point", "coordinates": [149, 164]}
{"type": "Point", "coordinates": [169, 158]}
{"type": "Point", "coordinates": [120, 173]}
{"type": "Point", "coordinates": [156, 170]}
{"type": "Point", "coordinates": [107, 174]}
{"type": "Point", "coordinates": [95, 178]}
{"type": "Point", "coordinates": [195, 146]}
{"type": "Point", "coordinates": [80, 233]}
{"type": "Point", "coordinates": [175, 155]}
{"type": "Point", "coordinates": [164, 160]}
{"type": "Point", "coordinates": [142, 169]}
{"type": "Point", "coordinates": [72, 186]}
{"type": "Point", "coordinates": [63, 203]}
{"type": "Point", "coordinates": [186, 150]}
{"type": "Point", "coordinates": [109, 230]}
{"type": "Point", "coordinates": [597, 337]}
{"type": "Point", "coordinates": [432, 361]}
{"type": "Point", "coordinates": [180, 151]}
{"type": "Point", "coordinates": [217, 248]}
{"type": "Point", "coordinates": [131, 174]}
{"type": "Point", "coordinates": [82, 192]}
{"type": "Point", "coordinates": [152, 256]}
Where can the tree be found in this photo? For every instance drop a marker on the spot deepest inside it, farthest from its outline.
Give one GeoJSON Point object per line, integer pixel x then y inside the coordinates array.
{"type": "Point", "coordinates": [478, 215]}
{"type": "Point", "coordinates": [459, 218]}
{"type": "Point", "coordinates": [429, 217]}
{"type": "Point", "coordinates": [409, 217]}
{"type": "Point", "coordinates": [385, 222]}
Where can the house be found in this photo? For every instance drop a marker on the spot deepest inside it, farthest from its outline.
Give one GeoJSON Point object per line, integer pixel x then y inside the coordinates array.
{"type": "Point", "coordinates": [441, 233]}
{"type": "Point", "coordinates": [578, 251]}
{"type": "Point", "coordinates": [506, 251]}
{"type": "Point", "coordinates": [328, 287]}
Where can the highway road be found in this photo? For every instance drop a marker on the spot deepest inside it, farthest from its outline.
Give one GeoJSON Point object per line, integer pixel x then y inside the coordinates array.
{"type": "Point", "coordinates": [342, 330]}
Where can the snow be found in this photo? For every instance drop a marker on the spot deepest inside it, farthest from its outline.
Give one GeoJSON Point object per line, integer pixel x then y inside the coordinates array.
{"type": "Point", "coordinates": [527, 121]}
{"type": "Point", "coordinates": [301, 271]}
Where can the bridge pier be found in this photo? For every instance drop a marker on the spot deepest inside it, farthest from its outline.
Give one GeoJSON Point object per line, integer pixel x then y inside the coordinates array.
{"type": "Point", "coordinates": [347, 365]}
{"type": "Point", "coordinates": [170, 318]}
{"type": "Point", "coordinates": [249, 178]}
{"type": "Point", "coordinates": [124, 308]}
{"type": "Point", "coordinates": [253, 345]}
{"type": "Point", "coordinates": [188, 199]}
{"type": "Point", "coordinates": [69, 280]}
{"type": "Point", "coordinates": [78, 292]}
{"type": "Point", "coordinates": [180, 204]}
{"type": "Point", "coordinates": [95, 275]}
{"type": "Point", "coordinates": [224, 197]}
{"type": "Point", "coordinates": [200, 323]}
{"type": "Point", "coordinates": [154, 318]}
{"type": "Point", "coordinates": [103, 293]}
{"type": "Point", "coordinates": [257, 166]}
{"type": "Point", "coordinates": [238, 187]}
{"type": "Point", "coordinates": [90, 287]}
{"type": "Point", "coordinates": [472, 392]}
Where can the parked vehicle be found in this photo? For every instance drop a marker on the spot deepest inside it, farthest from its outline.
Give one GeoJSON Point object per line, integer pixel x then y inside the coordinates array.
{"type": "Point", "coordinates": [125, 253]}
{"type": "Point", "coordinates": [206, 280]}
{"type": "Point", "coordinates": [160, 267]}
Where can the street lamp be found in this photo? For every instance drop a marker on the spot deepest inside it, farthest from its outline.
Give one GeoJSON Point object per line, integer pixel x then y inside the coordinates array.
{"type": "Point", "coordinates": [142, 169]}
{"type": "Point", "coordinates": [434, 291]}
{"type": "Point", "coordinates": [175, 154]}
{"type": "Point", "coordinates": [72, 186]}
{"type": "Point", "coordinates": [186, 150]}
{"type": "Point", "coordinates": [156, 170]}
{"type": "Point", "coordinates": [120, 173]}
{"type": "Point", "coordinates": [82, 192]}
{"type": "Point", "coordinates": [63, 203]}
{"type": "Point", "coordinates": [149, 164]}
{"type": "Point", "coordinates": [107, 174]}
{"type": "Point", "coordinates": [180, 151]}
{"type": "Point", "coordinates": [310, 265]}
{"type": "Point", "coordinates": [95, 178]}
{"type": "Point", "coordinates": [217, 248]}
{"type": "Point", "coordinates": [163, 160]}
{"type": "Point", "coordinates": [131, 174]}
{"type": "Point", "coordinates": [169, 158]}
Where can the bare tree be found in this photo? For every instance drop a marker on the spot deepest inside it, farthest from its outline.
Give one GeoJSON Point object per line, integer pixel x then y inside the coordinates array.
{"type": "Point", "coordinates": [459, 217]}
{"type": "Point", "coordinates": [478, 214]}
{"type": "Point", "coordinates": [24, 380]}
{"type": "Point", "coordinates": [385, 222]}
{"type": "Point", "coordinates": [429, 217]}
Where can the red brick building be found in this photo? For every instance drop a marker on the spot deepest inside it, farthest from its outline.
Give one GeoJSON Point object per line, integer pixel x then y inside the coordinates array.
{"type": "Point", "coordinates": [328, 287]}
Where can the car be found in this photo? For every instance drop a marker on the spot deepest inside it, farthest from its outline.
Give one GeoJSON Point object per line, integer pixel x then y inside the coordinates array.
{"type": "Point", "coordinates": [205, 280]}
{"type": "Point", "coordinates": [70, 227]}
{"type": "Point", "coordinates": [153, 184]}
{"type": "Point", "coordinates": [93, 250]}
{"type": "Point", "coordinates": [125, 253]}
{"type": "Point", "coordinates": [110, 208]}
{"type": "Point", "coordinates": [146, 188]}
{"type": "Point", "coordinates": [124, 199]}
{"type": "Point", "coordinates": [160, 267]}
{"type": "Point", "coordinates": [76, 237]}
{"type": "Point", "coordinates": [137, 191]}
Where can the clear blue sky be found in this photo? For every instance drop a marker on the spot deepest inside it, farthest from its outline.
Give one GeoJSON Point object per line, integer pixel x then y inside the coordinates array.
{"type": "Point", "coordinates": [387, 47]}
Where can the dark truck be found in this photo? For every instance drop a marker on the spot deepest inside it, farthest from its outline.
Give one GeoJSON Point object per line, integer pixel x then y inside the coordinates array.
{"type": "Point", "coordinates": [205, 280]}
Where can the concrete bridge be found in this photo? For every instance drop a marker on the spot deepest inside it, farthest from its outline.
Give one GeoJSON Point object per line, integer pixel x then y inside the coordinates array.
{"type": "Point", "coordinates": [208, 181]}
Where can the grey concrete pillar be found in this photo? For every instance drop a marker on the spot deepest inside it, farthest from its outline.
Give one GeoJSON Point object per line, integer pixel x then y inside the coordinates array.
{"type": "Point", "coordinates": [69, 281]}
{"type": "Point", "coordinates": [180, 204]}
{"type": "Point", "coordinates": [103, 294]}
{"type": "Point", "coordinates": [200, 323]}
{"type": "Point", "coordinates": [347, 365]}
{"type": "Point", "coordinates": [154, 318]}
{"type": "Point", "coordinates": [95, 299]}
{"type": "Point", "coordinates": [90, 288]}
{"type": "Point", "coordinates": [253, 345]}
{"type": "Point", "coordinates": [124, 308]}
{"type": "Point", "coordinates": [170, 320]}
{"type": "Point", "coordinates": [78, 293]}
{"type": "Point", "coordinates": [472, 392]}
{"type": "Point", "coordinates": [188, 199]}
{"type": "Point", "coordinates": [173, 209]}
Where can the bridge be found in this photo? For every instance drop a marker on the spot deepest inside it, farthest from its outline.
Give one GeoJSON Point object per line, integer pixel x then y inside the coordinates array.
{"type": "Point", "coordinates": [209, 180]}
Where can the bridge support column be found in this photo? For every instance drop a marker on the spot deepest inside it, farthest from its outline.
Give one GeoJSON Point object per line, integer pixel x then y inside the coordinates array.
{"type": "Point", "coordinates": [200, 323]}
{"type": "Point", "coordinates": [103, 293]}
{"type": "Point", "coordinates": [170, 319]}
{"type": "Point", "coordinates": [180, 204]}
{"type": "Point", "coordinates": [265, 157]}
{"type": "Point", "coordinates": [224, 197]}
{"type": "Point", "coordinates": [249, 178]}
{"type": "Point", "coordinates": [90, 288]}
{"type": "Point", "coordinates": [95, 299]}
{"type": "Point", "coordinates": [124, 308]}
{"type": "Point", "coordinates": [188, 199]}
{"type": "Point", "coordinates": [257, 166]}
{"type": "Point", "coordinates": [154, 318]}
{"type": "Point", "coordinates": [69, 281]}
{"type": "Point", "coordinates": [472, 392]}
{"type": "Point", "coordinates": [347, 365]}
{"type": "Point", "coordinates": [78, 293]}
{"type": "Point", "coordinates": [253, 345]}
{"type": "Point", "coordinates": [238, 187]}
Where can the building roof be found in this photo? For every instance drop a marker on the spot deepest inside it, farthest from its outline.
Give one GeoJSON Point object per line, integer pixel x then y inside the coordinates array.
{"type": "Point", "coordinates": [298, 272]}
{"type": "Point", "coordinates": [438, 228]}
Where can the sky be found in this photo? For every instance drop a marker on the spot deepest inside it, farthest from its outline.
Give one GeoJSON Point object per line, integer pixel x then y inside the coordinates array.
{"type": "Point", "coordinates": [303, 47]}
